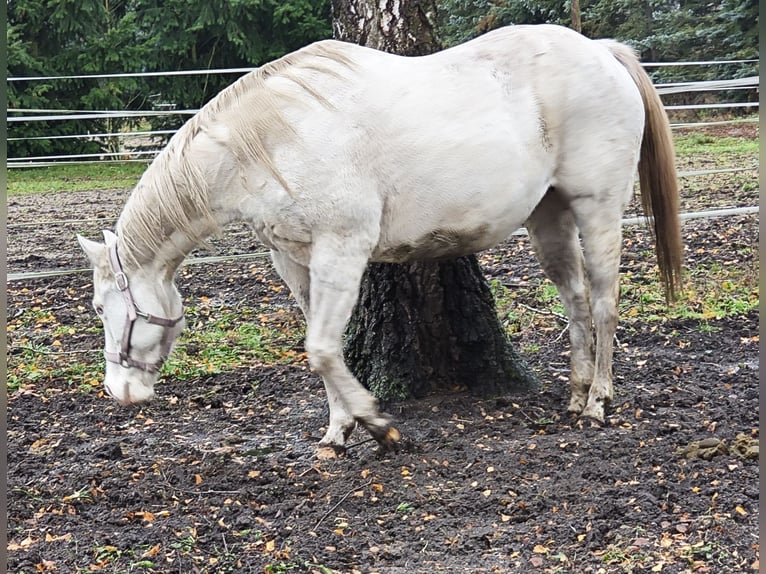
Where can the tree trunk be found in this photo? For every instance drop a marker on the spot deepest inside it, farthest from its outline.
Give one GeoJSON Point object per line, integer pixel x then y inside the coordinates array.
{"type": "Point", "coordinates": [428, 326]}
{"type": "Point", "coordinates": [576, 20]}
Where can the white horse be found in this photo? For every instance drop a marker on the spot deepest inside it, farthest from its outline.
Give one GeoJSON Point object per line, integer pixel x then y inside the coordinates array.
{"type": "Point", "coordinates": [339, 155]}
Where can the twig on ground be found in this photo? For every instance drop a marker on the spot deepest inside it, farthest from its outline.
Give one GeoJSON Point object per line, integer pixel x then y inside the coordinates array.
{"type": "Point", "coordinates": [361, 442]}
{"type": "Point", "coordinates": [337, 504]}
{"type": "Point", "coordinates": [559, 316]}
{"type": "Point", "coordinates": [41, 352]}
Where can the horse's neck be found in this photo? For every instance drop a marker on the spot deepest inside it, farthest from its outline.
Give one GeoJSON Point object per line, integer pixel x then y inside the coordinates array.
{"type": "Point", "coordinates": [161, 230]}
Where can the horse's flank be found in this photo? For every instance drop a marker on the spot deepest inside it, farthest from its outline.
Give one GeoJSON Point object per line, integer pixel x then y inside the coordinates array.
{"type": "Point", "coordinates": [173, 195]}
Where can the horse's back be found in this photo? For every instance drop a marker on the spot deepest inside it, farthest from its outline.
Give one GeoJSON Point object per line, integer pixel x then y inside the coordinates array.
{"type": "Point", "coordinates": [444, 154]}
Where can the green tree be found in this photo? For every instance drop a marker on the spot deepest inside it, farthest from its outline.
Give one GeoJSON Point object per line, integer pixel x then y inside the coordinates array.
{"type": "Point", "coordinates": [72, 37]}
{"type": "Point", "coordinates": [189, 34]}
{"type": "Point", "coordinates": [662, 30]}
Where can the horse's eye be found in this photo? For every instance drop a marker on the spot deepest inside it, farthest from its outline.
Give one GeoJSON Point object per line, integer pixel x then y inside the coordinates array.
{"type": "Point", "coordinates": [99, 310]}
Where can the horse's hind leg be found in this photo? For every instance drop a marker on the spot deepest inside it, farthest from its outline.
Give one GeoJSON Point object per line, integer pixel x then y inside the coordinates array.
{"type": "Point", "coordinates": [336, 268]}
{"type": "Point", "coordinates": [599, 221]}
{"type": "Point", "coordinates": [341, 422]}
{"type": "Point", "coordinates": [554, 237]}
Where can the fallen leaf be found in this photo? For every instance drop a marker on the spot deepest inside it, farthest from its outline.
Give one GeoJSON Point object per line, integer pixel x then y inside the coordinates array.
{"type": "Point", "coordinates": [26, 543]}
{"type": "Point", "coordinates": [53, 538]}
{"type": "Point", "coordinates": [45, 566]}
{"type": "Point", "coordinates": [327, 453]}
{"type": "Point", "coordinates": [153, 551]}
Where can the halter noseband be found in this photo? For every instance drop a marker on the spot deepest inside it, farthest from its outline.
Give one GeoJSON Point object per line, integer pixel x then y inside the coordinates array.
{"type": "Point", "coordinates": [133, 313]}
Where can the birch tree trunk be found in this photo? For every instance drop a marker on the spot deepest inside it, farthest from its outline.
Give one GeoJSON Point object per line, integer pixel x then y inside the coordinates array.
{"type": "Point", "coordinates": [423, 327]}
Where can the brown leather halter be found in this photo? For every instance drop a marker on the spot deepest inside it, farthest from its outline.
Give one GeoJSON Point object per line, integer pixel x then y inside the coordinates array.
{"type": "Point", "coordinates": [133, 313]}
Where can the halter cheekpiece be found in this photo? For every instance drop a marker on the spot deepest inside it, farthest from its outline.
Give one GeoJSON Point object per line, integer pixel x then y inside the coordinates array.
{"type": "Point", "coordinates": [133, 314]}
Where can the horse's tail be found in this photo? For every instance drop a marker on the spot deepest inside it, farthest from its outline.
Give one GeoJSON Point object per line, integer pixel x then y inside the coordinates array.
{"type": "Point", "coordinates": [657, 174]}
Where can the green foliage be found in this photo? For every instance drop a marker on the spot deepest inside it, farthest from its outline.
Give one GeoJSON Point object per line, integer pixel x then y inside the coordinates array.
{"type": "Point", "coordinates": [662, 30]}
{"type": "Point", "coordinates": [74, 37]}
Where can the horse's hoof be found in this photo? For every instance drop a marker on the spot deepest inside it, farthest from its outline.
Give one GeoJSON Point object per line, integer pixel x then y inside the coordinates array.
{"type": "Point", "coordinates": [586, 421]}
{"type": "Point", "coordinates": [393, 435]}
{"type": "Point", "coordinates": [387, 437]}
{"type": "Point", "coordinates": [330, 451]}
{"type": "Point", "coordinates": [576, 406]}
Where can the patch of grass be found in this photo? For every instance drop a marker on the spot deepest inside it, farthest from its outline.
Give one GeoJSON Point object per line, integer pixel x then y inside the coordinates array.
{"type": "Point", "coordinates": [710, 291]}
{"type": "Point", "coordinates": [227, 339]}
{"type": "Point", "coordinates": [218, 340]}
{"type": "Point", "coordinates": [405, 507]}
{"type": "Point", "coordinates": [288, 566]}
{"type": "Point", "coordinates": [697, 144]}
{"type": "Point", "coordinates": [73, 177]}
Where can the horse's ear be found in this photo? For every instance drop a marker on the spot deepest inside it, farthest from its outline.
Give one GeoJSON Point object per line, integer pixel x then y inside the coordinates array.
{"type": "Point", "coordinates": [109, 237]}
{"type": "Point", "coordinates": [93, 249]}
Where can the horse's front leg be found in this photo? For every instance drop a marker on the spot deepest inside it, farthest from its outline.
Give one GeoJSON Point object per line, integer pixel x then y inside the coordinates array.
{"type": "Point", "coordinates": [336, 269]}
{"type": "Point", "coordinates": [341, 423]}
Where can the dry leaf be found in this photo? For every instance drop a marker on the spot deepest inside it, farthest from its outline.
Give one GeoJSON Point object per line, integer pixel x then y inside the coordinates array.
{"type": "Point", "coordinates": [153, 551]}
{"type": "Point", "coordinates": [327, 453]}
{"type": "Point", "coordinates": [45, 566]}
{"type": "Point", "coordinates": [26, 543]}
{"type": "Point", "coordinates": [53, 538]}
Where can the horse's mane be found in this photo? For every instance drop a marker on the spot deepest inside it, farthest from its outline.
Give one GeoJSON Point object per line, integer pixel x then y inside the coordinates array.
{"type": "Point", "coordinates": [172, 195]}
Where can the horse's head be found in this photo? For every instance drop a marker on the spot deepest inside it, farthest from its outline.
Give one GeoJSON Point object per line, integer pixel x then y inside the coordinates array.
{"type": "Point", "coordinates": [142, 313]}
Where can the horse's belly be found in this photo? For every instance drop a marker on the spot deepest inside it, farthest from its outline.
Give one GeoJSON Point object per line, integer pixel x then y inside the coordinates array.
{"type": "Point", "coordinates": [442, 243]}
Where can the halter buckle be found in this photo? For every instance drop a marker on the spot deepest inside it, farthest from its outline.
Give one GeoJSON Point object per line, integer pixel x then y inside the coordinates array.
{"type": "Point", "coordinates": [121, 280]}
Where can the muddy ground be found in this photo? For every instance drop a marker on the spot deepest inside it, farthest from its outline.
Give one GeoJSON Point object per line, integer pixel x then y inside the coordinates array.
{"type": "Point", "coordinates": [219, 474]}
